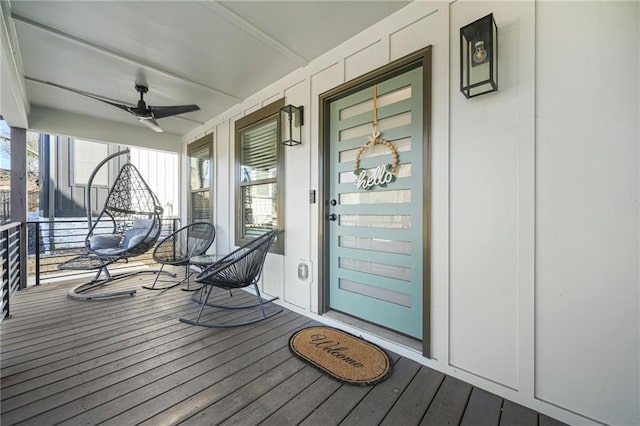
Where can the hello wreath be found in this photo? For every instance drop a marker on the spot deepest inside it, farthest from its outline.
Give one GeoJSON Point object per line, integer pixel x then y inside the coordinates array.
{"type": "Point", "coordinates": [383, 174]}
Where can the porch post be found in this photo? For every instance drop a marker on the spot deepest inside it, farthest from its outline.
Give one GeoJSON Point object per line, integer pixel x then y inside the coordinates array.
{"type": "Point", "coordinates": [19, 194]}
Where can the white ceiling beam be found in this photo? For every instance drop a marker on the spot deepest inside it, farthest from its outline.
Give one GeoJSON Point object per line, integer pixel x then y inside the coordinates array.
{"type": "Point", "coordinates": [14, 102]}
{"type": "Point", "coordinates": [120, 55]}
{"type": "Point", "coordinates": [58, 122]}
{"type": "Point", "coordinates": [246, 26]}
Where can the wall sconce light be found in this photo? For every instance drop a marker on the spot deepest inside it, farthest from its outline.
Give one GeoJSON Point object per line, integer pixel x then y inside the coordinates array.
{"type": "Point", "coordinates": [479, 57]}
{"type": "Point", "coordinates": [291, 121]}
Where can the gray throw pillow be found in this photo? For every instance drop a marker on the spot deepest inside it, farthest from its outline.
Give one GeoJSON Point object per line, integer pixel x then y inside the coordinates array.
{"type": "Point", "coordinates": [104, 241]}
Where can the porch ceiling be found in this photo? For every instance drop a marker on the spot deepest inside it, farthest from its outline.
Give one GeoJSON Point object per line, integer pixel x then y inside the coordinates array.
{"type": "Point", "coordinates": [211, 53]}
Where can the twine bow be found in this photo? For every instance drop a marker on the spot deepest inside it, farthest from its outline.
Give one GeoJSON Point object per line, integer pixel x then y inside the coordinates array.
{"type": "Point", "coordinates": [375, 139]}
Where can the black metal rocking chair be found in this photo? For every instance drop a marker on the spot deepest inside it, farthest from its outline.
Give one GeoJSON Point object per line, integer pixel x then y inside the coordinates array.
{"type": "Point", "coordinates": [134, 213]}
{"type": "Point", "coordinates": [179, 247]}
{"type": "Point", "coordinates": [239, 269]}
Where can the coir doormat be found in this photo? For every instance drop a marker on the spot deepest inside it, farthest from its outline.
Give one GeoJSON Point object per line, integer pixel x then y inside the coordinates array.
{"type": "Point", "coordinates": [345, 357]}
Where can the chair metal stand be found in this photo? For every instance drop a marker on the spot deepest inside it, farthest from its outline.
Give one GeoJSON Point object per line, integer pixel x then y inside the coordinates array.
{"type": "Point", "coordinates": [79, 292]}
{"type": "Point", "coordinates": [173, 283]}
{"type": "Point", "coordinates": [239, 269]}
{"type": "Point", "coordinates": [188, 287]}
{"type": "Point", "coordinates": [208, 290]}
{"type": "Point", "coordinates": [187, 276]}
{"type": "Point", "coordinates": [178, 248]}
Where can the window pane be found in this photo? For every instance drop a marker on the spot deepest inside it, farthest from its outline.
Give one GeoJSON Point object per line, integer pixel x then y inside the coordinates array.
{"type": "Point", "coordinates": [401, 196]}
{"type": "Point", "coordinates": [259, 209]}
{"type": "Point", "coordinates": [384, 294]}
{"type": "Point", "coordinates": [397, 221]}
{"type": "Point", "coordinates": [200, 168]}
{"type": "Point", "coordinates": [375, 268]}
{"type": "Point", "coordinates": [258, 151]}
{"type": "Point", "coordinates": [200, 206]}
{"type": "Point", "coordinates": [375, 244]}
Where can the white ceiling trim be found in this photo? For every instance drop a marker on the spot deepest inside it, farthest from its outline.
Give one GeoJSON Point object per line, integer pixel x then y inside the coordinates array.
{"type": "Point", "coordinates": [244, 25]}
{"type": "Point", "coordinates": [12, 65]}
{"type": "Point", "coordinates": [59, 122]}
{"type": "Point", "coordinates": [120, 55]}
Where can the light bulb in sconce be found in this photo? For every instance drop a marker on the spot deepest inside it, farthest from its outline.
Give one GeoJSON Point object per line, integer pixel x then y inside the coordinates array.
{"type": "Point", "coordinates": [480, 54]}
{"type": "Point", "coordinates": [479, 57]}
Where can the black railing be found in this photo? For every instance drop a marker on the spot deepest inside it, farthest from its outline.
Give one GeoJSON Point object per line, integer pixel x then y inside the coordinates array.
{"type": "Point", "coordinates": [53, 242]}
{"type": "Point", "coordinates": [10, 263]}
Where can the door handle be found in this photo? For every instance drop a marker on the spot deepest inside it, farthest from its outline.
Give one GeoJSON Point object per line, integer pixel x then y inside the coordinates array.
{"type": "Point", "coordinates": [332, 217]}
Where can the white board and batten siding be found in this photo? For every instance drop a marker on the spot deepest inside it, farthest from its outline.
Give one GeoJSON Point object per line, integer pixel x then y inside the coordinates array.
{"type": "Point", "coordinates": [586, 316]}
{"type": "Point", "coordinates": [161, 171]}
{"type": "Point", "coordinates": [535, 218]}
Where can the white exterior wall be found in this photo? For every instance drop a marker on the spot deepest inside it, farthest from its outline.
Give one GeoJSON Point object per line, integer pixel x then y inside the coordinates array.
{"type": "Point", "coordinates": [535, 221]}
{"type": "Point", "coordinates": [160, 170]}
{"type": "Point", "coordinates": [586, 316]}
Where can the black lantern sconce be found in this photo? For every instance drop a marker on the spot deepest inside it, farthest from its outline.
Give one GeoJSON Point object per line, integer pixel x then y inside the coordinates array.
{"type": "Point", "coordinates": [291, 121]}
{"type": "Point", "coordinates": [479, 57]}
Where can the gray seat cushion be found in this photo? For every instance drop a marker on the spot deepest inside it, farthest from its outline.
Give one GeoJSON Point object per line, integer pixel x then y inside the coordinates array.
{"type": "Point", "coordinates": [133, 237]}
{"type": "Point", "coordinates": [105, 241]}
{"type": "Point", "coordinates": [114, 244]}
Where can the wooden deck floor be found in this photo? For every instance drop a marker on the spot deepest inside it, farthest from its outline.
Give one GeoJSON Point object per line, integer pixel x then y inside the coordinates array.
{"type": "Point", "coordinates": [130, 361]}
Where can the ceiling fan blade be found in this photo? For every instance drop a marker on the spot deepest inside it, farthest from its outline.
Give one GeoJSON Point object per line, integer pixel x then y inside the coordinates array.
{"type": "Point", "coordinates": [147, 115]}
{"type": "Point", "coordinates": [167, 111]}
{"type": "Point", "coordinates": [152, 124]}
{"type": "Point", "coordinates": [123, 107]}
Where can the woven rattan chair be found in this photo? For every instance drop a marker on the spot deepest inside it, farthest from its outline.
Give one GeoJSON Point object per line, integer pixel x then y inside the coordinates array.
{"type": "Point", "coordinates": [132, 214]}
{"type": "Point", "coordinates": [177, 248]}
{"type": "Point", "coordinates": [239, 269]}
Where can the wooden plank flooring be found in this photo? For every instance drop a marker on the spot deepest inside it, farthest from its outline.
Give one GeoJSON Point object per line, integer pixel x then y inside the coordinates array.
{"type": "Point", "coordinates": [129, 361]}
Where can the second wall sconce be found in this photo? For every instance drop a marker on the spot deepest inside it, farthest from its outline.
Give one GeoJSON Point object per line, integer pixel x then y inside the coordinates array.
{"type": "Point", "coordinates": [479, 57]}
{"type": "Point", "coordinates": [291, 121]}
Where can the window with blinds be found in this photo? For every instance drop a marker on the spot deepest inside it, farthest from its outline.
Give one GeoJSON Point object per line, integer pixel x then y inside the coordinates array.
{"type": "Point", "coordinates": [259, 152]}
{"type": "Point", "coordinates": [259, 175]}
{"type": "Point", "coordinates": [200, 164]}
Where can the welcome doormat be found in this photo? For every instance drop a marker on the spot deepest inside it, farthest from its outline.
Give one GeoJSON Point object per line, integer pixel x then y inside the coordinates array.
{"type": "Point", "coordinates": [341, 355]}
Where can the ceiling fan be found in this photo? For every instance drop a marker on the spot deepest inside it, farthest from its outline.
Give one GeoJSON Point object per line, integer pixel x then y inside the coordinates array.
{"type": "Point", "coordinates": [146, 114]}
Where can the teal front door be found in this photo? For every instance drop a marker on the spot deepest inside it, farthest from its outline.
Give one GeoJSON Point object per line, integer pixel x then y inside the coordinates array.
{"type": "Point", "coordinates": [375, 221]}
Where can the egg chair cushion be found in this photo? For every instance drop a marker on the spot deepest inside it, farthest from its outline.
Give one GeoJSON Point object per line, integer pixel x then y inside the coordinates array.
{"type": "Point", "coordinates": [105, 241]}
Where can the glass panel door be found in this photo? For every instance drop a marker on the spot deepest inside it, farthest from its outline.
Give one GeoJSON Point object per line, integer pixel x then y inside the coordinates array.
{"type": "Point", "coordinates": [375, 234]}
